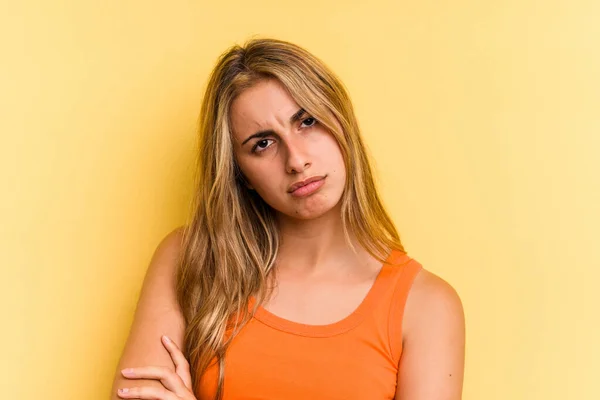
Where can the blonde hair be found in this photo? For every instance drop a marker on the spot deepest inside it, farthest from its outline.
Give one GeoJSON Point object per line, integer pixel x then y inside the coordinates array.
{"type": "Point", "coordinates": [231, 241]}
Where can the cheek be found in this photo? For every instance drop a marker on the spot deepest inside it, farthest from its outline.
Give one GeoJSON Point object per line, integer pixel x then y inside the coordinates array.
{"type": "Point", "coordinates": [334, 157]}
{"type": "Point", "coordinates": [259, 174]}
{"type": "Point", "coordinates": [338, 167]}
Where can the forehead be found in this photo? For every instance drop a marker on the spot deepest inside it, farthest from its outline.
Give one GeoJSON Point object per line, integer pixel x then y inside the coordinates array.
{"type": "Point", "coordinates": [261, 106]}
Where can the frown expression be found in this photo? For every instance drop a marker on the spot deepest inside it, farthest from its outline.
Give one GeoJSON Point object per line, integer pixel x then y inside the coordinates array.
{"type": "Point", "coordinates": [277, 144]}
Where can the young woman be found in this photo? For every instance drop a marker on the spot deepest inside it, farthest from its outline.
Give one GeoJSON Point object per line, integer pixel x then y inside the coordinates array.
{"type": "Point", "coordinates": [289, 280]}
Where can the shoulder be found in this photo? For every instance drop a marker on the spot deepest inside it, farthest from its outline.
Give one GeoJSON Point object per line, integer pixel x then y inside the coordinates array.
{"type": "Point", "coordinates": [432, 291]}
{"type": "Point", "coordinates": [159, 286]}
{"type": "Point", "coordinates": [159, 281]}
{"type": "Point", "coordinates": [167, 252]}
{"type": "Point", "coordinates": [432, 305]}
{"type": "Point", "coordinates": [170, 244]}
{"type": "Point", "coordinates": [433, 341]}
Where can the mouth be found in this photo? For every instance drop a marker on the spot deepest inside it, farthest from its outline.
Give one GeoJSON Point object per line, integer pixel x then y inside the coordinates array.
{"type": "Point", "coordinates": [314, 180]}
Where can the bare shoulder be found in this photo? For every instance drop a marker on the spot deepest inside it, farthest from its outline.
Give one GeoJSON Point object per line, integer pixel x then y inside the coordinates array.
{"type": "Point", "coordinates": [166, 253]}
{"type": "Point", "coordinates": [433, 354]}
{"type": "Point", "coordinates": [432, 294]}
{"type": "Point", "coordinates": [432, 301]}
{"type": "Point", "coordinates": [171, 243]}
{"type": "Point", "coordinates": [157, 313]}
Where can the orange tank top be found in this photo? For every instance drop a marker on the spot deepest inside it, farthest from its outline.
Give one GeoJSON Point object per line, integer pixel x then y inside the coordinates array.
{"type": "Point", "coordinates": [355, 358]}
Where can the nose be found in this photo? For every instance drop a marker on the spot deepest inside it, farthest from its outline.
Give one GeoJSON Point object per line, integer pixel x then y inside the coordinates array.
{"type": "Point", "coordinates": [297, 160]}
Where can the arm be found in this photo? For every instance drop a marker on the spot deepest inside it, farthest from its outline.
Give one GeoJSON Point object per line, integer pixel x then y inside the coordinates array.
{"type": "Point", "coordinates": [433, 355]}
{"type": "Point", "coordinates": [157, 314]}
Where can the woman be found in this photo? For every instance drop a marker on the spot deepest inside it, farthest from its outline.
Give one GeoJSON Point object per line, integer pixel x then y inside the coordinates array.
{"type": "Point", "coordinates": [290, 280]}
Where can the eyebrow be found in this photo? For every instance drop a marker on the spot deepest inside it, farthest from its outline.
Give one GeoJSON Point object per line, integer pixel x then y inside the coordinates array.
{"type": "Point", "coordinates": [268, 132]}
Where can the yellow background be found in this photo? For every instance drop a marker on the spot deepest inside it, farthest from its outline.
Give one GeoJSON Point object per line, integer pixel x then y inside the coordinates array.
{"type": "Point", "coordinates": [482, 117]}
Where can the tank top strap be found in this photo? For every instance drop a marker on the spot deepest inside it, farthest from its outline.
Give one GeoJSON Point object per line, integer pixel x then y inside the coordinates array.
{"type": "Point", "coordinates": [404, 270]}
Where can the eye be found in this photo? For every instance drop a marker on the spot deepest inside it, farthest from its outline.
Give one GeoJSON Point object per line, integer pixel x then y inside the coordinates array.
{"type": "Point", "coordinates": [310, 121]}
{"type": "Point", "coordinates": [261, 145]}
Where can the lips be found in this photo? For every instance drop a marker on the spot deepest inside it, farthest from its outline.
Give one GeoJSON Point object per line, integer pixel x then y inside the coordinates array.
{"type": "Point", "coordinates": [305, 182]}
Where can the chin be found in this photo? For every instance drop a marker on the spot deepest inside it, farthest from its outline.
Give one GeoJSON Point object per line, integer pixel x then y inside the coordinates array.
{"type": "Point", "coordinates": [312, 209]}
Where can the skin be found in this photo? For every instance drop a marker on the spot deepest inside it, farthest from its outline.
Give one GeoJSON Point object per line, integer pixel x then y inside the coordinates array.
{"type": "Point", "coordinates": [325, 269]}
{"type": "Point", "coordinates": [326, 277]}
{"type": "Point", "coordinates": [293, 151]}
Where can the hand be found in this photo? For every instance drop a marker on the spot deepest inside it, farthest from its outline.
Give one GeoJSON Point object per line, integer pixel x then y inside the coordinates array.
{"type": "Point", "coordinates": [177, 385]}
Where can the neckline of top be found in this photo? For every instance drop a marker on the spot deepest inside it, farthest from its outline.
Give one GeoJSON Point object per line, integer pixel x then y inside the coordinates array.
{"type": "Point", "coordinates": [347, 323]}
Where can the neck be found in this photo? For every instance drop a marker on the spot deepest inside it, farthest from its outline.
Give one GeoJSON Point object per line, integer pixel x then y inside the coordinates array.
{"type": "Point", "coordinates": [315, 245]}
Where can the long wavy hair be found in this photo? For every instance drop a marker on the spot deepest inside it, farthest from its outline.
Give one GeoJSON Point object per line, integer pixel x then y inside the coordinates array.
{"type": "Point", "coordinates": [230, 241]}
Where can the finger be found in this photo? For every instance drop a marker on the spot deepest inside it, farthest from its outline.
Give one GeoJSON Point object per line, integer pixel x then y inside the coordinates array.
{"type": "Point", "coordinates": [182, 366]}
{"type": "Point", "coordinates": [166, 376]}
{"type": "Point", "coordinates": [146, 392]}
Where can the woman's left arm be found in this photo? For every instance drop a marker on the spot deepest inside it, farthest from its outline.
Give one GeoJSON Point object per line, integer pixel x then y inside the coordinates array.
{"type": "Point", "coordinates": [433, 350]}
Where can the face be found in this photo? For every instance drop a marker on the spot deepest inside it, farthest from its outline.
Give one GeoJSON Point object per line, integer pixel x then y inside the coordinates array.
{"type": "Point", "coordinates": [278, 147]}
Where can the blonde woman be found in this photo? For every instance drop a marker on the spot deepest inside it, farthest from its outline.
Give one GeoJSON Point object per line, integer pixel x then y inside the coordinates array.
{"type": "Point", "coordinates": [289, 280]}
